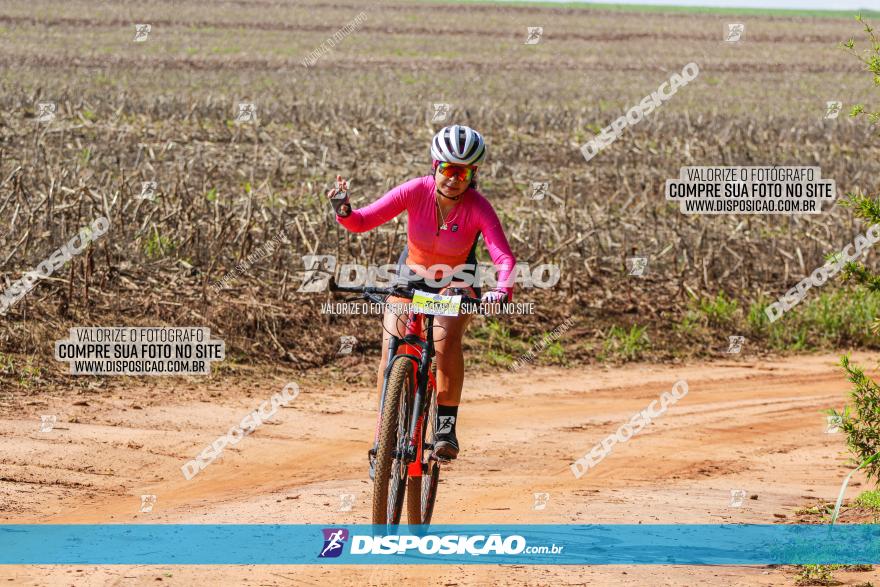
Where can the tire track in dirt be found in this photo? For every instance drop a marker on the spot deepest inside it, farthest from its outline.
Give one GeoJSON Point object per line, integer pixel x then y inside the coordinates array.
{"type": "Point", "coordinates": [758, 428]}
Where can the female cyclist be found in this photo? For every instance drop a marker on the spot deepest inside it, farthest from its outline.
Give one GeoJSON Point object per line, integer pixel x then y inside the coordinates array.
{"type": "Point", "coordinates": [446, 217]}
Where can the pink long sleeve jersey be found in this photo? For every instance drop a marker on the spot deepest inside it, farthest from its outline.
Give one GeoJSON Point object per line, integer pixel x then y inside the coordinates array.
{"type": "Point", "coordinates": [426, 245]}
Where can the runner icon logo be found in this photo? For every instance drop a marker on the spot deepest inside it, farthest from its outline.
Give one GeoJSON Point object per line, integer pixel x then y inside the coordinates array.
{"type": "Point", "coordinates": [735, 344]}
{"type": "Point", "coordinates": [346, 501]}
{"type": "Point", "coordinates": [835, 421]}
{"type": "Point", "coordinates": [346, 344]}
{"type": "Point", "coordinates": [446, 424]}
{"type": "Point", "coordinates": [637, 265]}
{"type": "Point", "coordinates": [737, 496]}
{"type": "Point", "coordinates": [541, 500]}
{"type": "Point", "coordinates": [47, 423]}
{"type": "Point", "coordinates": [142, 32]}
{"type": "Point", "coordinates": [535, 33]}
{"type": "Point", "coordinates": [441, 112]}
{"type": "Point", "coordinates": [334, 539]}
{"type": "Point", "coordinates": [832, 109]}
{"type": "Point", "coordinates": [147, 503]}
{"type": "Point", "coordinates": [539, 189]}
{"type": "Point", "coordinates": [735, 32]}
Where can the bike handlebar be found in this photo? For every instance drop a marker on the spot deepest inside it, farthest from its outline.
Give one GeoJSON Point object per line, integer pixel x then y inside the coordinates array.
{"type": "Point", "coordinates": [374, 292]}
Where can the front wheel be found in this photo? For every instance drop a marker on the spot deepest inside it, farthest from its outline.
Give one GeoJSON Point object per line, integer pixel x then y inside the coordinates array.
{"type": "Point", "coordinates": [389, 485]}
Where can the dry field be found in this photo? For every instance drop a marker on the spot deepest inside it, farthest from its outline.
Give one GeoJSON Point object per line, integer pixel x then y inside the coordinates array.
{"type": "Point", "coordinates": [164, 110]}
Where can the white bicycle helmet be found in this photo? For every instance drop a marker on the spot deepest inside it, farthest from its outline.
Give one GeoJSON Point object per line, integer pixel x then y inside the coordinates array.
{"type": "Point", "coordinates": [458, 144]}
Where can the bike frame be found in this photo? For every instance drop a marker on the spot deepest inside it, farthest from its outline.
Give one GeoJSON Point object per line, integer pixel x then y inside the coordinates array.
{"type": "Point", "coordinates": [417, 347]}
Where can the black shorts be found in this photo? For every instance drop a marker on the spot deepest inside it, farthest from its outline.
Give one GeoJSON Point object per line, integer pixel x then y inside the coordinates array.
{"type": "Point", "coordinates": [406, 277]}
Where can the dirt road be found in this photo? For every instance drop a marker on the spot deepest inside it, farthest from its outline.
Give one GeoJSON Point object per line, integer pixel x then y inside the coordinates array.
{"type": "Point", "coordinates": [755, 426]}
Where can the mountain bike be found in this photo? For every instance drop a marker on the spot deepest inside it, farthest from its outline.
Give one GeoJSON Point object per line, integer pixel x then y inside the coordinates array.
{"type": "Point", "coordinates": [403, 456]}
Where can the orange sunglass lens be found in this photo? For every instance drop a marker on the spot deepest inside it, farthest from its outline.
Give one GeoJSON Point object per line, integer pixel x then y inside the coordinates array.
{"type": "Point", "coordinates": [456, 172]}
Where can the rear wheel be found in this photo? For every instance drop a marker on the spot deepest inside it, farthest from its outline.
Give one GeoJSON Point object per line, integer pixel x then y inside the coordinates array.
{"type": "Point", "coordinates": [389, 485]}
{"type": "Point", "coordinates": [422, 491]}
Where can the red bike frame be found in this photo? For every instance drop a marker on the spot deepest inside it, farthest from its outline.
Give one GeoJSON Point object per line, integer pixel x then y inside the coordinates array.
{"type": "Point", "coordinates": [415, 326]}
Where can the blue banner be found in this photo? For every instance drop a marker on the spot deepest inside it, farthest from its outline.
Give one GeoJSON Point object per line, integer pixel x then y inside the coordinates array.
{"type": "Point", "coordinates": [608, 544]}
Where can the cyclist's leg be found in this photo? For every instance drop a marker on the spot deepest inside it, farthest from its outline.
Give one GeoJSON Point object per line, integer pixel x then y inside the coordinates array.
{"type": "Point", "coordinates": [448, 334]}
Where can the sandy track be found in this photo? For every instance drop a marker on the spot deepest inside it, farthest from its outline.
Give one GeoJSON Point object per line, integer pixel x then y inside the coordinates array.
{"type": "Point", "coordinates": [756, 427]}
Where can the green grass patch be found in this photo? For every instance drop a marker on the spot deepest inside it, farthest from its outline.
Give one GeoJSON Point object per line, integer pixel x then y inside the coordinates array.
{"type": "Point", "coordinates": [825, 319]}
{"type": "Point", "coordinates": [869, 499]}
{"type": "Point", "coordinates": [708, 312]}
{"type": "Point", "coordinates": [496, 339]}
{"type": "Point", "coordinates": [718, 311]}
{"type": "Point", "coordinates": [661, 8]}
{"type": "Point", "coordinates": [158, 246]}
{"type": "Point", "coordinates": [816, 575]}
{"type": "Point", "coordinates": [624, 344]}
{"type": "Point", "coordinates": [27, 374]}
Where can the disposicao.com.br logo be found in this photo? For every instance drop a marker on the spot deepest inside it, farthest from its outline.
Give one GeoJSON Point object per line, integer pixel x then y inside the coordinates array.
{"type": "Point", "coordinates": [334, 540]}
{"type": "Point", "coordinates": [429, 544]}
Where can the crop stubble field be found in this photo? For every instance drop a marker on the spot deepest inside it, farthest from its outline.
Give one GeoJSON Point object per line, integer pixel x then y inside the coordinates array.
{"type": "Point", "coordinates": [163, 110]}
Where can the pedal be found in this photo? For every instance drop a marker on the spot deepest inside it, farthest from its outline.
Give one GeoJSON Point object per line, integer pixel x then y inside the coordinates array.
{"type": "Point", "coordinates": [439, 459]}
